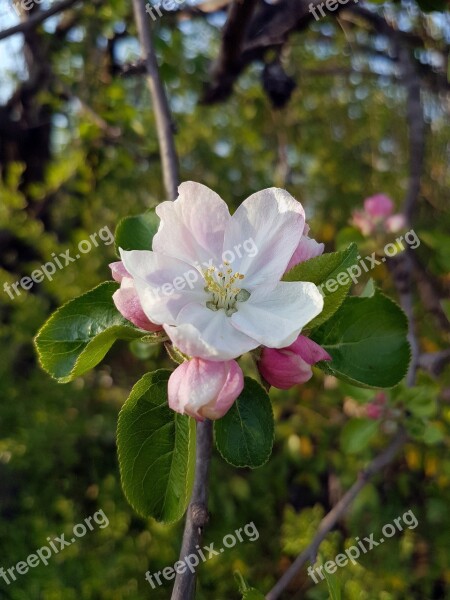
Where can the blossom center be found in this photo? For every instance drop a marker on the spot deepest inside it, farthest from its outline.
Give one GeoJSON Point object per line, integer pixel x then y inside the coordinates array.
{"type": "Point", "coordinates": [223, 287]}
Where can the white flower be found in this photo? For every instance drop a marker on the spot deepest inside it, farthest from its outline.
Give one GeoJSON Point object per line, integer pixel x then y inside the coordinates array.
{"type": "Point", "coordinates": [214, 299]}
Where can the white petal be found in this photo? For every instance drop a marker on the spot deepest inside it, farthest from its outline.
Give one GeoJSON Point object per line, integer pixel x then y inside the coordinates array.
{"type": "Point", "coordinates": [208, 334]}
{"type": "Point", "coordinates": [192, 227]}
{"type": "Point", "coordinates": [276, 320]}
{"type": "Point", "coordinates": [273, 221]}
{"type": "Point", "coordinates": [164, 284]}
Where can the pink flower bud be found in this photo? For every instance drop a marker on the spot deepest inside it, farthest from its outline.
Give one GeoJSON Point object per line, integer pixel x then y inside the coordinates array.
{"type": "Point", "coordinates": [374, 411]}
{"type": "Point", "coordinates": [127, 301]}
{"type": "Point", "coordinates": [379, 205]}
{"type": "Point", "coordinates": [306, 249]}
{"type": "Point", "coordinates": [205, 389]}
{"type": "Point", "coordinates": [289, 366]}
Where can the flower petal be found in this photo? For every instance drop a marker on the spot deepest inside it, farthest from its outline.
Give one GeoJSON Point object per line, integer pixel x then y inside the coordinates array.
{"type": "Point", "coordinates": [271, 222]}
{"type": "Point", "coordinates": [164, 284]}
{"type": "Point", "coordinates": [379, 205]}
{"type": "Point", "coordinates": [192, 227]}
{"type": "Point", "coordinates": [118, 271]}
{"type": "Point", "coordinates": [128, 304]}
{"type": "Point", "coordinates": [276, 319]}
{"type": "Point", "coordinates": [307, 248]}
{"type": "Point", "coordinates": [208, 334]}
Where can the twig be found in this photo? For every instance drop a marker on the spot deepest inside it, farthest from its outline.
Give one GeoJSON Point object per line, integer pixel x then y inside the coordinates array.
{"type": "Point", "coordinates": [330, 520]}
{"type": "Point", "coordinates": [164, 125]}
{"type": "Point", "coordinates": [37, 18]}
{"type": "Point", "coordinates": [197, 514]}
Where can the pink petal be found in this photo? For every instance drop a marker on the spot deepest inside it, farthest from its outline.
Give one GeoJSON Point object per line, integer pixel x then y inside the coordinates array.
{"type": "Point", "coordinates": [290, 366]}
{"type": "Point", "coordinates": [118, 271]}
{"type": "Point", "coordinates": [309, 350]}
{"type": "Point", "coordinates": [128, 304]}
{"type": "Point", "coordinates": [205, 389]}
{"type": "Point", "coordinates": [192, 227]}
{"type": "Point", "coordinates": [307, 248]}
{"type": "Point", "coordinates": [379, 205]}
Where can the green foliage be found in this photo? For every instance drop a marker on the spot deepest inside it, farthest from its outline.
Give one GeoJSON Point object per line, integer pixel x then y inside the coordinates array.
{"type": "Point", "coordinates": [248, 593]}
{"type": "Point", "coordinates": [357, 435]}
{"type": "Point", "coordinates": [136, 233]}
{"type": "Point", "coordinates": [367, 341]}
{"type": "Point", "coordinates": [156, 448]}
{"type": "Point", "coordinates": [323, 269]}
{"type": "Point", "coordinates": [79, 334]}
{"type": "Point", "coordinates": [244, 436]}
{"type": "Point", "coordinates": [334, 586]}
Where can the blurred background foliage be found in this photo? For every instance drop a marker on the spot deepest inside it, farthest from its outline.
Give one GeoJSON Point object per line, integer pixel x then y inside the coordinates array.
{"type": "Point", "coordinates": [342, 137]}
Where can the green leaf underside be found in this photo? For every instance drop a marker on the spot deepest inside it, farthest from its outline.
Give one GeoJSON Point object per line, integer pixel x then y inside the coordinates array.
{"type": "Point", "coordinates": [156, 449]}
{"type": "Point", "coordinates": [325, 268]}
{"type": "Point", "coordinates": [367, 340]}
{"type": "Point", "coordinates": [79, 334]}
{"type": "Point", "coordinates": [244, 436]}
{"type": "Point", "coordinates": [136, 232]}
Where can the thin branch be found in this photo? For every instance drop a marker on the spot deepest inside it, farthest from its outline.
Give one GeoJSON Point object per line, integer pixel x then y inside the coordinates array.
{"type": "Point", "coordinates": [37, 18]}
{"type": "Point", "coordinates": [330, 520]}
{"type": "Point", "coordinates": [164, 125]}
{"type": "Point", "coordinates": [197, 514]}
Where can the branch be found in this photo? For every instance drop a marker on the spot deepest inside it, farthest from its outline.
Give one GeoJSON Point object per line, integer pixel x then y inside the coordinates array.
{"type": "Point", "coordinates": [197, 513]}
{"type": "Point", "coordinates": [330, 520]}
{"type": "Point", "coordinates": [37, 18]}
{"type": "Point", "coordinates": [227, 66]}
{"type": "Point", "coordinates": [164, 125]}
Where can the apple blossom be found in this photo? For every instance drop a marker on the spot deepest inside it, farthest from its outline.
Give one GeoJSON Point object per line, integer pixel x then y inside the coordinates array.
{"type": "Point", "coordinates": [377, 215]}
{"type": "Point", "coordinates": [286, 367]}
{"type": "Point", "coordinates": [205, 389]}
{"type": "Point", "coordinates": [127, 301]}
{"type": "Point", "coordinates": [220, 311]}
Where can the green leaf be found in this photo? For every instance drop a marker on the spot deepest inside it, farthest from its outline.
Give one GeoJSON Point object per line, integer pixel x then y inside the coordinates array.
{"type": "Point", "coordinates": [136, 233]}
{"type": "Point", "coordinates": [252, 594]}
{"type": "Point", "coordinates": [421, 401]}
{"type": "Point", "coordinates": [156, 448]}
{"type": "Point", "coordinates": [367, 340]}
{"type": "Point", "coordinates": [247, 592]}
{"type": "Point", "coordinates": [356, 435]}
{"type": "Point", "coordinates": [334, 585]}
{"type": "Point", "coordinates": [244, 436]}
{"type": "Point", "coordinates": [79, 334]}
{"type": "Point", "coordinates": [324, 271]}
